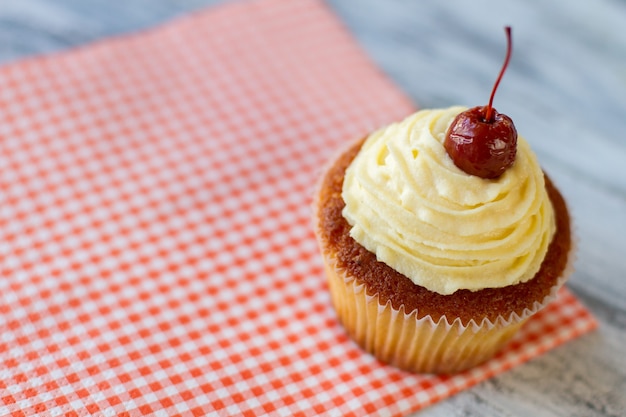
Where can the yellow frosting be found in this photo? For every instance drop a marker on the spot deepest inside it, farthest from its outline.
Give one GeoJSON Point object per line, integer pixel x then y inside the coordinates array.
{"type": "Point", "coordinates": [444, 229]}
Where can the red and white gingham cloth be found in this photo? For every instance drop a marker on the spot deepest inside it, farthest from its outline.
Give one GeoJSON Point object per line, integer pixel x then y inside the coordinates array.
{"type": "Point", "coordinates": [156, 251]}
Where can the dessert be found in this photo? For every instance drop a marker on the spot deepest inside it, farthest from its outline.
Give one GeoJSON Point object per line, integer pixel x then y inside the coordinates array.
{"type": "Point", "coordinates": [433, 268]}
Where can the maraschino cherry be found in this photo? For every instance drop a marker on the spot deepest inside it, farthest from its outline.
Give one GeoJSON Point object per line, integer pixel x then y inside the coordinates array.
{"type": "Point", "coordinates": [480, 140]}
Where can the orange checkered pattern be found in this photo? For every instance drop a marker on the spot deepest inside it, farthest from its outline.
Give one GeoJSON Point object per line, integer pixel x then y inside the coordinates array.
{"type": "Point", "coordinates": [156, 250]}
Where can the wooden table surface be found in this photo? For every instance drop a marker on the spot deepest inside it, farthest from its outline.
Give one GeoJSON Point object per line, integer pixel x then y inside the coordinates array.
{"type": "Point", "coordinates": [566, 91]}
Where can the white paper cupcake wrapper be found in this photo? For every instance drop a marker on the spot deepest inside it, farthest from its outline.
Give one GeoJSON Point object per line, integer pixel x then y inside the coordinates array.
{"type": "Point", "coordinates": [420, 344]}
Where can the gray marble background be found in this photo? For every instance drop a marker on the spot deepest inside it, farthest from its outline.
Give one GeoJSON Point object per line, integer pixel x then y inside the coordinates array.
{"type": "Point", "coordinates": [566, 91]}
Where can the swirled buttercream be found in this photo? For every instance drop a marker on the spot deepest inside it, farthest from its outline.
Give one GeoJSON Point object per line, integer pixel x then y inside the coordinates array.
{"type": "Point", "coordinates": [408, 203]}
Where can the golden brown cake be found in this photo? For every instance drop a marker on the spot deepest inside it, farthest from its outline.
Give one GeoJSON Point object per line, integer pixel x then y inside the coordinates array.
{"type": "Point", "coordinates": [410, 326]}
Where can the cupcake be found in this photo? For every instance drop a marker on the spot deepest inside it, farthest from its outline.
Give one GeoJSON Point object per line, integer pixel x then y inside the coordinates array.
{"type": "Point", "coordinates": [441, 236]}
{"type": "Point", "coordinates": [433, 265]}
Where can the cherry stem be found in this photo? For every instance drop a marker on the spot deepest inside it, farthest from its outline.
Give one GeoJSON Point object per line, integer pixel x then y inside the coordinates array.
{"type": "Point", "coordinates": [509, 48]}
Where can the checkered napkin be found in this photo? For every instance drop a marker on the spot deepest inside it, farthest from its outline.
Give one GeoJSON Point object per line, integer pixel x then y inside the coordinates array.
{"type": "Point", "coordinates": [156, 251]}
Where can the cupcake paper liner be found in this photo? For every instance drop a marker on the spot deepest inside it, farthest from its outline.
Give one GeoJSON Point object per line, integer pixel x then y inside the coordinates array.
{"type": "Point", "coordinates": [422, 345]}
